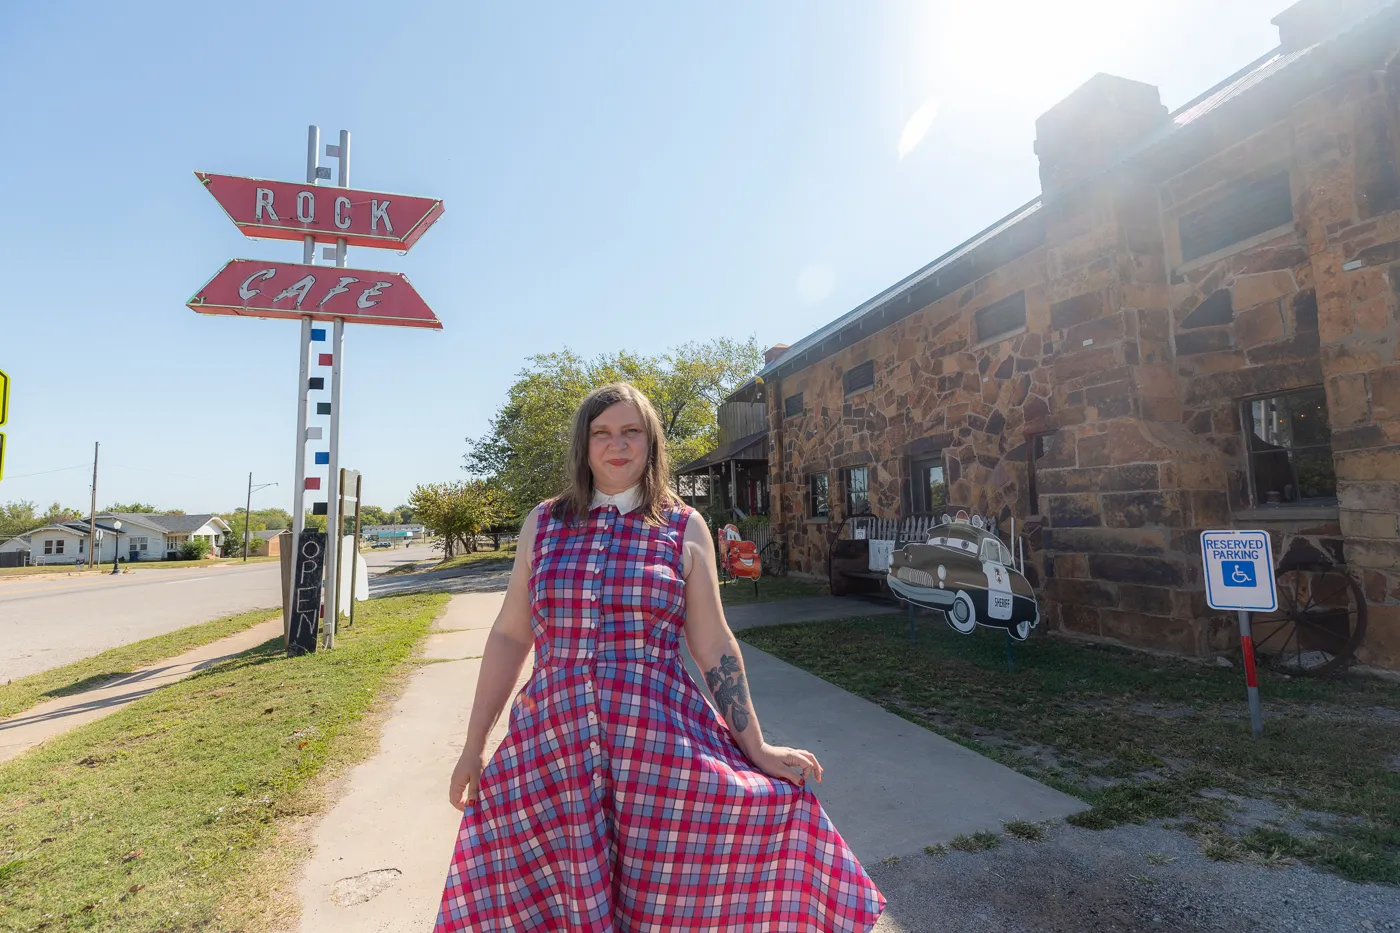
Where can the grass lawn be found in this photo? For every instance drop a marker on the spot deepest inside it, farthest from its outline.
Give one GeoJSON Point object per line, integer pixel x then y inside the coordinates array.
{"type": "Point", "coordinates": [770, 589]}
{"type": "Point", "coordinates": [181, 811]}
{"type": "Point", "coordinates": [16, 696]}
{"type": "Point", "coordinates": [504, 555]}
{"type": "Point", "coordinates": [487, 558]}
{"type": "Point", "coordinates": [1141, 737]}
{"type": "Point", "coordinates": [138, 565]}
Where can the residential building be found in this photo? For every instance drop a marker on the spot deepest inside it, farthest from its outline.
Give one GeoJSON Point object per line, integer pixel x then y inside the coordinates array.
{"type": "Point", "coordinates": [733, 477]}
{"type": "Point", "coordinates": [59, 543]}
{"type": "Point", "coordinates": [407, 532]}
{"type": "Point", "coordinates": [1193, 326]}
{"type": "Point", "coordinates": [267, 543]}
{"type": "Point", "coordinates": [154, 536]}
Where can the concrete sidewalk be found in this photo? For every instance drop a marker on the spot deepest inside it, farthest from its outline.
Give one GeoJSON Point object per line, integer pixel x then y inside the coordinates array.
{"type": "Point", "coordinates": [55, 717]}
{"type": "Point", "coordinates": [380, 856]}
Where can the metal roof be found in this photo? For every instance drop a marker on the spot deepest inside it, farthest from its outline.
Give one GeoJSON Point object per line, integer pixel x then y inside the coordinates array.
{"type": "Point", "coordinates": [731, 451]}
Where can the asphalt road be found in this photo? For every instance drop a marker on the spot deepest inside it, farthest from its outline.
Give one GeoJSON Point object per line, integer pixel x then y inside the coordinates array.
{"type": "Point", "coordinates": [46, 621]}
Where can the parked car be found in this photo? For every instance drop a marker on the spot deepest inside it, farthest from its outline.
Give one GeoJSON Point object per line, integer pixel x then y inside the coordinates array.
{"type": "Point", "coordinates": [380, 544]}
{"type": "Point", "coordinates": [965, 572]}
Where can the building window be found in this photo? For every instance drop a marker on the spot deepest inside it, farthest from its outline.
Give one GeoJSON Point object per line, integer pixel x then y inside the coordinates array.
{"type": "Point", "coordinates": [1290, 449]}
{"type": "Point", "coordinates": [82, 545]}
{"type": "Point", "coordinates": [860, 377]}
{"type": "Point", "coordinates": [928, 491]}
{"type": "Point", "coordinates": [694, 485]}
{"type": "Point", "coordinates": [1035, 449]}
{"type": "Point", "coordinates": [858, 491]}
{"type": "Point", "coordinates": [1245, 211]}
{"type": "Point", "coordinates": [48, 546]}
{"type": "Point", "coordinates": [792, 406]}
{"type": "Point", "coordinates": [136, 544]}
{"type": "Point", "coordinates": [818, 495]}
{"type": "Point", "coordinates": [1004, 317]}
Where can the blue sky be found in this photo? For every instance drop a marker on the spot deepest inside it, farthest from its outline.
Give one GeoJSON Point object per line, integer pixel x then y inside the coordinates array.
{"type": "Point", "coordinates": [616, 176]}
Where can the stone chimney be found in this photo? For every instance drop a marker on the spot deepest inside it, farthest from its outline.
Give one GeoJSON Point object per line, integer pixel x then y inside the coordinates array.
{"type": "Point", "coordinates": [1091, 128]}
{"type": "Point", "coordinates": [1310, 21]}
{"type": "Point", "coordinates": [773, 352]}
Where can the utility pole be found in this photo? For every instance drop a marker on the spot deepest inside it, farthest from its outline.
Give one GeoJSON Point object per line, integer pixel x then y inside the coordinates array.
{"type": "Point", "coordinates": [247, 511]}
{"type": "Point", "coordinates": [92, 514]}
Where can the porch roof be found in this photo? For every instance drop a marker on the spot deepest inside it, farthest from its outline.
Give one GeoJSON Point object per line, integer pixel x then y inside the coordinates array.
{"type": "Point", "coordinates": [753, 447]}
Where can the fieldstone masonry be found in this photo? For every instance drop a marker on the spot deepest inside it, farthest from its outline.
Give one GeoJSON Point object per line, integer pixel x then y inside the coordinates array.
{"type": "Point", "coordinates": [1134, 362]}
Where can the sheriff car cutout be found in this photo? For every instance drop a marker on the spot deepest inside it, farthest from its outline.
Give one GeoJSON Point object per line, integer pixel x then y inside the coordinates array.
{"type": "Point", "coordinates": [965, 572]}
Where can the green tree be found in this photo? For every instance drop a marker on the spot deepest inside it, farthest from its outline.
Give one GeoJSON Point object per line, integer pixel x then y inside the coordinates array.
{"type": "Point", "coordinates": [527, 445]}
{"type": "Point", "coordinates": [374, 515]}
{"type": "Point", "coordinates": [18, 517]}
{"type": "Point", "coordinates": [458, 512]}
{"type": "Point", "coordinates": [58, 513]}
{"type": "Point", "coordinates": [258, 520]}
{"type": "Point", "coordinates": [136, 507]}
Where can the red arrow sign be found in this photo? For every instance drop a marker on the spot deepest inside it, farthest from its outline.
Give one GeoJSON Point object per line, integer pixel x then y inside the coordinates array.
{"type": "Point", "coordinates": [282, 210]}
{"type": "Point", "coordinates": [252, 288]}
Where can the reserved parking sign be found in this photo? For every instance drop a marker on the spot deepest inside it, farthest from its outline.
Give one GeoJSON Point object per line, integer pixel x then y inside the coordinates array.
{"type": "Point", "coordinates": [1239, 570]}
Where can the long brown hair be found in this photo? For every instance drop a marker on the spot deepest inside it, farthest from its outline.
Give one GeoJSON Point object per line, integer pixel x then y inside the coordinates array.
{"type": "Point", "coordinates": [577, 496]}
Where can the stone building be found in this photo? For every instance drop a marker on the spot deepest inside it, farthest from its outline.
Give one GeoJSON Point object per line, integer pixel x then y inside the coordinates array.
{"type": "Point", "coordinates": [1194, 326]}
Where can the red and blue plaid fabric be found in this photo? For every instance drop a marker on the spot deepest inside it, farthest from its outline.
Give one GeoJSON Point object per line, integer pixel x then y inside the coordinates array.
{"type": "Point", "coordinates": [618, 800]}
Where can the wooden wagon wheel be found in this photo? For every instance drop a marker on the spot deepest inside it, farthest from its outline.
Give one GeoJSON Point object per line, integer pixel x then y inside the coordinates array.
{"type": "Point", "coordinates": [773, 560]}
{"type": "Point", "coordinates": [1320, 621]}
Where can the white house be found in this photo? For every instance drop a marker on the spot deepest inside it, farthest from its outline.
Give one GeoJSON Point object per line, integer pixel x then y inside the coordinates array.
{"type": "Point", "coordinates": [149, 536]}
{"type": "Point", "coordinates": [61, 543]}
{"type": "Point", "coordinates": [141, 537]}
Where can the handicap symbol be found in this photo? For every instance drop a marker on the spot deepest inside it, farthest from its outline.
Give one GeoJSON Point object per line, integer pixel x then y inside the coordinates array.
{"type": "Point", "coordinates": [1237, 572]}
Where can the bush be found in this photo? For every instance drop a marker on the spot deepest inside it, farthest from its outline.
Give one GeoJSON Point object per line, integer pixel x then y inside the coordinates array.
{"type": "Point", "coordinates": [194, 549]}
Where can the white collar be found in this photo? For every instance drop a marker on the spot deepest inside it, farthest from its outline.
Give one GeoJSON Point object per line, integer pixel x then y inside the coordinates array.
{"type": "Point", "coordinates": [625, 501]}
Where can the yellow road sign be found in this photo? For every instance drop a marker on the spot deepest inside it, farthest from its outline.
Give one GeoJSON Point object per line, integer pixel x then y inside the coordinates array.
{"type": "Point", "coordinates": [4, 396]}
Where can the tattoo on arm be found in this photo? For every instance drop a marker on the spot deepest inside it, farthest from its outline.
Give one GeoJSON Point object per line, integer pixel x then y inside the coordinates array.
{"type": "Point", "coordinates": [726, 683]}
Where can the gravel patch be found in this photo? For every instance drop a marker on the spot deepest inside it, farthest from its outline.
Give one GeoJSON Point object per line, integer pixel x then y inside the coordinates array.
{"type": "Point", "coordinates": [1130, 878]}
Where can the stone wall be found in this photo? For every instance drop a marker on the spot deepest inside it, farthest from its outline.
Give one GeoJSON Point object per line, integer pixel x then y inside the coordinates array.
{"type": "Point", "coordinates": [1134, 363]}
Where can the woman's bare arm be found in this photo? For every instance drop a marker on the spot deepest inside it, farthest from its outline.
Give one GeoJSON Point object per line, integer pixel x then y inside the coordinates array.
{"type": "Point", "coordinates": [507, 647]}
{"type": "Point", "coordinates": [716, 651]}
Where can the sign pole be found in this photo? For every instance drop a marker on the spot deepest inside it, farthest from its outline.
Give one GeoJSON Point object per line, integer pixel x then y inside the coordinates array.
{"type": "Point", "coordinates": [1251, 676]}
{"type": "Point", "coordinates": [355, 555]}
{"type": "Point", "coordinates": [333, 500]}
{"type": "Point", "coordinates": [1239, 576]}
{"type": "Point", "coordinates": [334, 522]}
{"type": "Point", "coordinates": [308, 256]}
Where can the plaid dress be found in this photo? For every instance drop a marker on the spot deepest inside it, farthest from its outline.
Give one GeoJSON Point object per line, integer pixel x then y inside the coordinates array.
{"type": "Point", "coordinates": [618, 800]}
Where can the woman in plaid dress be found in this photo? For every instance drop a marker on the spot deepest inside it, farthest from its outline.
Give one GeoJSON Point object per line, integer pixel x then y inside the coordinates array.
{"type": "Point", "coordinates": [620, 799]}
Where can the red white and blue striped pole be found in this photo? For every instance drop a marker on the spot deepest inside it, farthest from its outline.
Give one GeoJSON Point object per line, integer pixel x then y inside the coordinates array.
{"type": "Point", "coordinates": [308, 256]}
{"type": "Point", "coordinates": [334, 493]}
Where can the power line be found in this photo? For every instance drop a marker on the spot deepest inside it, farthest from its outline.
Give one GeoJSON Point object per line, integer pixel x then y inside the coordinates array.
{"type": "Point", "coordinates": [81, 466]}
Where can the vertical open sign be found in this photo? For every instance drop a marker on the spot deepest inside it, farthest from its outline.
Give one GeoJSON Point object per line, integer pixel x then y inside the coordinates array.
{"type": "Point", "coordinates": [306, 592]}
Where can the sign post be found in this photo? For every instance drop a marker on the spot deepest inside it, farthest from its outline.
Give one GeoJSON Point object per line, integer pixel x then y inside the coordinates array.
{"type": "Point", "coordinates": [1239, 569]}
{"type": "Point", "coordinates": [4, 415]}
{"type": "Point", "coordinates": [341, 217]}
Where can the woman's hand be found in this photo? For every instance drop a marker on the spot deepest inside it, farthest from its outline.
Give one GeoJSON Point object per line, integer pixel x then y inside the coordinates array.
{"type": "Point", "coordinates": [466, 779]}
{"type": "Point", "coordinates": [789, 764]}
